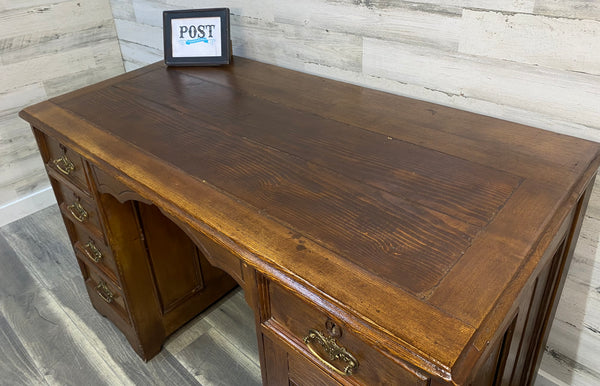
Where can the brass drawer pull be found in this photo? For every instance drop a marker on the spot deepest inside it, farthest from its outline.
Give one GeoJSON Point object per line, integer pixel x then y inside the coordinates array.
{"type": "Point", "coordinates": [92, 251]}
{"type": "Point", "coordinates": [104, 292]}
{"type": "Point", "coordinates": [78, 212]}
{"type": "Point", "coordinates": [335, 352]}
{"type": "Point", "coordinates": [64, 165]}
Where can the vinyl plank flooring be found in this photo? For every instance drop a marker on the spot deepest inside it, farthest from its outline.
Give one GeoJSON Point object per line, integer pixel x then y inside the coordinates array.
{"type": "Point", "coordinates": [220, 354]}
{"type": "Point", "coordinates": [42, 245]}
{"type": "Point", "coordinates": [109, 342]}
{"type": "Point", "coordinates": [16, 366]}
{"type": "Point", "coordinates": [53, 335]}
{"type": "Point", "coordinates": [205, 356]}
{"type": "Point", "coordinates": [232, 319]}
{"type": "Point", "coordinates": [55, 346]}
{"type": "Point", "coordinates": [14, 278]}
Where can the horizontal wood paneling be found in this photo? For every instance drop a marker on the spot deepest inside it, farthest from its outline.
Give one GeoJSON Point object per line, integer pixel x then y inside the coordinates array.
{"type": "Point", "coordinates": [46, 48]}
{"type": "Point", "coordinates": [487, 79]}
{"type": "Point", "coordinates": [58, 64]}
{"type": "Point", "coordinates": [17, 31]}
{"type": "Point", "coordinates": [403, 23]}
{"type": "Point", "coordinates": [510, 37]}
{"type": "Point", "coordinates": [292, 45]}
{"type": "Point", "coordinates": [576, 9]}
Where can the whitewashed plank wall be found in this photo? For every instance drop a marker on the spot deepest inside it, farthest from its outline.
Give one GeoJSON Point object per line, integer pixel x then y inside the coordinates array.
{"type": "Point", "coordinates": [531, 61]}
{"type": "Point", "coordinates": [46, 48]}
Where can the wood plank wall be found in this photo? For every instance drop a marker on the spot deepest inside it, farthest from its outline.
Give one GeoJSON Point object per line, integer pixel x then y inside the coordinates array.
{"type": "Point", "coordinates": [531, 61]}
{"type": "Point", "coordinates": [46, 48]}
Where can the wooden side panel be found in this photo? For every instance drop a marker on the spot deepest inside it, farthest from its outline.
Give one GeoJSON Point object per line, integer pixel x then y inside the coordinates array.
{"type": "Point", "coordinates": [180, 278]}
{"type": "Point", "coordinates": [531, 332]}
{"type": "Point", "coordinates": [493, 367]}
{"type": "Point", "coordinates": [512, 360]}
{"type": "Point", "coordinates": [124, 236]}
{"type": "Point", "coordinates": [173, 257]}
{"type": "Point", "coordinates": [275, 359]}
{"type": "Point", "coordinates": [165, 278]}
{"type": "Point", "coordinates": [560, 276]}
{"type": "Point", "coordinates": [538, 307]}
{"type": "Point", "coordinates": [184, 281]}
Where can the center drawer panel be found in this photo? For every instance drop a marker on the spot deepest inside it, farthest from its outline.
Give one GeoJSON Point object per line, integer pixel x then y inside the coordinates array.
{"type": "Point", "coordinates": [65, 163]}
{"type": "Point", "coordinates": [78, 207]}
{"type": "Point", "coordinates": [95, 251]}
{"type": "Point", "coordinates": [105, 296]}
{"type": "Point", "coordinates": [321, 334]}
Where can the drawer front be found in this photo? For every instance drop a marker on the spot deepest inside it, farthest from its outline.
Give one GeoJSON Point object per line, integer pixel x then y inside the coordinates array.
{"type": "Point", "coordinates": [93, 249]}
{"type": "Point", "coordinates": [320, 334]}
{"type": "Point", "coordinates": [66, 163]}
{"type": "Point", "coordinates": [105, 296]}
{"type": "Point", "coordinates": [303, 373]}
{"type": "Point", "coordinates": [78, 207]}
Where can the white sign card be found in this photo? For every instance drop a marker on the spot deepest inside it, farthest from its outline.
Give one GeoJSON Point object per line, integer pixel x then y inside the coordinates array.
{"type": "Point", "coordinates": [198, 36]}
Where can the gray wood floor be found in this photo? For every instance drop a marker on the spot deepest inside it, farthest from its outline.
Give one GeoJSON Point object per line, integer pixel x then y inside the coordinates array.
{"type": "Point", "coordinates": [51, 335]}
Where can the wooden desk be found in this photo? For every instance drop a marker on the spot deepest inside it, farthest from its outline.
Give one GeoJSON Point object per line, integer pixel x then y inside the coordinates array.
{"type": "Point", "coordinates": [418, 243]}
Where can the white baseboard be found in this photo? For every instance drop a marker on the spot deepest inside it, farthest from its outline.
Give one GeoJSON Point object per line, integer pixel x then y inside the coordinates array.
{"type": "Point", "coordinates": [26, 205]}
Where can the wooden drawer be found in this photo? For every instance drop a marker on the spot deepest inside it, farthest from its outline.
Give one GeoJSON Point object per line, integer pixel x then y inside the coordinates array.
{"type": "Point", "coordinates": [65, 162]}
{"type": "Point", "coordinates": [78, 207]}
{"type": "Point", "coordinates": [302, 372]}
{"type": "Point", "coordinates": [303, 320]}
{"type": "Point", "coordinates": [95, 252]}
{"type": "Point", "coordinates": [105, 296]}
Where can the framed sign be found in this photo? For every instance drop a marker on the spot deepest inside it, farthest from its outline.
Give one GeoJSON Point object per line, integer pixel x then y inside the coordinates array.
{"type": "Point", "coordinates": [197, 37]}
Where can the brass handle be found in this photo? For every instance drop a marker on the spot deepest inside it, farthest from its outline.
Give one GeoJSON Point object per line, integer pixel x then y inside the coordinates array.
{"type": "Point", "coordinates": [78, 212]}
{"type": "Point", "coordinates": [92, 251]}
{"type": "Point", "coordinates": [104, 292]}
{"type": "Point", "coordinates": [335, 352]}
{"type": "Point", "coordinates": [64, 165]}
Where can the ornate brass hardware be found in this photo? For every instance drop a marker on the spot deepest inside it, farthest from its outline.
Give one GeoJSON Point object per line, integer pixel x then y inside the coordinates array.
{"type": "Point", "coordinates": [92, 251]}
{"type": "Point", "coordinates": [334, 351]}
{"type": "Point", "coordinates": [78, 212]}
{"type": "Point", "coordinates": [104, 292]}
{"type": "Point", "coordinates": [64, 165]}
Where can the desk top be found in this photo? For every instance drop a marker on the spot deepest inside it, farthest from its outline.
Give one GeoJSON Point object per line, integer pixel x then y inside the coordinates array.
{"type": "Point", "coordinates": [417, 223]}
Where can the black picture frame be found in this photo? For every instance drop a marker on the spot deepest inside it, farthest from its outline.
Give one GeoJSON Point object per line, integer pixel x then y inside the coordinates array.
{"type": "Point", "coordinates": [201, 37]}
